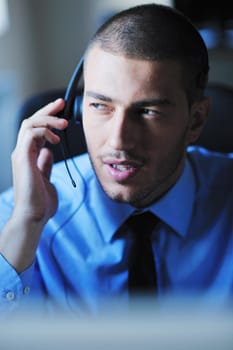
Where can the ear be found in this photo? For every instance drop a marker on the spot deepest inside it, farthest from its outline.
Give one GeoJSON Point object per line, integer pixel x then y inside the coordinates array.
{"type": "Point", "coordinates": [198, 116]}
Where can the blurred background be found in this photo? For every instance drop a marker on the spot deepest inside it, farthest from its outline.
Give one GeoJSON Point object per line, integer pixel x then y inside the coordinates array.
{"type": "Point", "coordinates": [42, 41]}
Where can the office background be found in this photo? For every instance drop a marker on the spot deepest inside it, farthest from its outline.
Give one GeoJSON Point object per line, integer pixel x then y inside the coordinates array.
{"type": "Point", "coordinates": [42, 41]}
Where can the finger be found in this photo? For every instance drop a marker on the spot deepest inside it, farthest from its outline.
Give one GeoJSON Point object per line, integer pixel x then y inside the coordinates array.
{"type": "Point", "coordinates": [36, 138]}
{"type": "Point", "coordinates": [52, 108]}
{"type": "Point", "coordinates": [45, 162]}
{"type": "Point", "coordinates": [46, 121]}
{"type": "Point", "coordinates": [31, 143]}
{"type": "Point", "coordinates": [41, 135]}
{"type": "Point", "coordinates": [38, 122]}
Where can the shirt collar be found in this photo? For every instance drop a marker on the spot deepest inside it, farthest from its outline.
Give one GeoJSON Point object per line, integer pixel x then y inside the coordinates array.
{"type": "Point", "coordinates": [174, 208]}
{"type": "Point", "coordinates": [109, 214]}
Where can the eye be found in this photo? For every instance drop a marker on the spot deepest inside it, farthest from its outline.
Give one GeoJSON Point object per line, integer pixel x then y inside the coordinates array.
{"type": "Point", "coordinates": [101, 108]}
{"type": "Point", "coordinates": [150, 113]}
{"type": "Point", "coordinates": [98, 106]}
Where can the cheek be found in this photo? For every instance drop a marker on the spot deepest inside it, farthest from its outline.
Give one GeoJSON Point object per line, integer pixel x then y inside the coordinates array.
{"type": "Point", "coordinates": [166, 139]}
{"type": "Point", "coordinates": [94, 134]}
{"type": "Point", "coordinates": [87, 124]}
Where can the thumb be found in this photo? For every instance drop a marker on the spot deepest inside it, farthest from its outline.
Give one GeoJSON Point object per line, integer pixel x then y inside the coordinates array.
{"type": "Point", "coordinates": [45, 162]}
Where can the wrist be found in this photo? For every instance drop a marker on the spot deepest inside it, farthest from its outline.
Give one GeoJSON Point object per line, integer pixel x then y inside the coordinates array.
{"type": "Point", "coordinates": [19, 240]}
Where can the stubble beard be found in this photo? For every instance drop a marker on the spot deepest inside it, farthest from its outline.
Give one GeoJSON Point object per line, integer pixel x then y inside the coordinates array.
{"type": "Point", "coordinates": [142, 196]}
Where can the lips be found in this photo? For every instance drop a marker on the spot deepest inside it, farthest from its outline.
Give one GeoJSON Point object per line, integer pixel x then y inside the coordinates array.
{"type": "Point", "coordinates": [121, 170]}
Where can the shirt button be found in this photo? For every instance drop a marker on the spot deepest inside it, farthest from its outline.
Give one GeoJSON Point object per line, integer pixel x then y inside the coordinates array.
{"type": "Point", "coordinates": [26, 290]}
{"type": "Point", "coordinates": [10, 295]}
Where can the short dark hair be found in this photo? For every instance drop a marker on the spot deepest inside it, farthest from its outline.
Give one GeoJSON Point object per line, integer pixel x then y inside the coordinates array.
{"type": "Point", "coordinates": [158, 32]}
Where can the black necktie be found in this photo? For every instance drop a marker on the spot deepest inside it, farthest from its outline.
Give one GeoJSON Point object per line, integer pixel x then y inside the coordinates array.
{"type": "Point", "coordinates": [142, 274]}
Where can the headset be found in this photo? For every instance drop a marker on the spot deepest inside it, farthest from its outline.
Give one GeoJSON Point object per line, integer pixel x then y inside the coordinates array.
{"type": "Point", "coordinates": [72, 112]}
{"type": "Point", "coordinates": [73, 102]}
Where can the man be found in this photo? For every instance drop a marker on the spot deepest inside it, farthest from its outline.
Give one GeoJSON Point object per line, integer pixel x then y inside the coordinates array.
{"type": "Point", "coordinates": [145, 72]}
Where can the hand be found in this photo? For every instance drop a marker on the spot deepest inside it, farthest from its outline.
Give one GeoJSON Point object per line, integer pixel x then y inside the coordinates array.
{"type": "Point", "coordinates": [35, 198]}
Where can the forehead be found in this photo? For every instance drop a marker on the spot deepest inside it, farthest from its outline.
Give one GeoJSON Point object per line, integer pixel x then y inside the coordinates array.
{"type": "Point", "coordinates": [104, 70]}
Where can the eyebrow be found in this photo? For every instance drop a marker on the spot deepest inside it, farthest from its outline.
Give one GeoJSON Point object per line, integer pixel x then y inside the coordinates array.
{"type": "Point", "coordinates": [97, 96]}
{"type": "Point", "coordinates": [152, 102]}
{"type": "Point", "coordinates": [137, 104]}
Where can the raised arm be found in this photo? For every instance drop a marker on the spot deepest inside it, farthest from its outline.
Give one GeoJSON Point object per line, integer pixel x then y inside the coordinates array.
{"type": "Point", "coordinates": [35, 199]}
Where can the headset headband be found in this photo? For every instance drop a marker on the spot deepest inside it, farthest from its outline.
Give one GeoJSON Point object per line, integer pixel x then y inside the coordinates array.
{"type": "Point", "coordinates": [71, 91]}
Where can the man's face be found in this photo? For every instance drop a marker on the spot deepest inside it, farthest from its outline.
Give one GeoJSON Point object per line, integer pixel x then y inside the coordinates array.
{"type": "Point", "coordinates": [137, 125]}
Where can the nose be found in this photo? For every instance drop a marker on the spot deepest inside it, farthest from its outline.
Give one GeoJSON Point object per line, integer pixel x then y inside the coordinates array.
{"type": "Point", "coordinates": [122, 131]}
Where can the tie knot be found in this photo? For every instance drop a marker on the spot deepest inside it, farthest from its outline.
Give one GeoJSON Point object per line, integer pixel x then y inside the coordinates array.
{"type": "Point", "coordinates": [142, 223]}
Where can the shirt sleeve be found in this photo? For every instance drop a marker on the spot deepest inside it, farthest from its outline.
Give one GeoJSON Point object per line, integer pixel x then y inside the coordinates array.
{"type": "Point", "coordinates": [14, 288]}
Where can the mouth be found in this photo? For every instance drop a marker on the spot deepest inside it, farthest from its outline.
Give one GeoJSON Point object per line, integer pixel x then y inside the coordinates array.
{"type": "Point", "coordinates": [121, 167]}
{"type": "Point", "coordinates": [120, 171]}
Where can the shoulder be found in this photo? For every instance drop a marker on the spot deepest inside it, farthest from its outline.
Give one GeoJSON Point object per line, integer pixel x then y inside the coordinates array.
{"type": "Point", "coordinates": [204, 155]}
{"type": "Point", "coordinates": [213, 204]}
{"type": "Point", "coordinates": [211, 168]}
{"type": "Point", "coordinates": [213, 175]}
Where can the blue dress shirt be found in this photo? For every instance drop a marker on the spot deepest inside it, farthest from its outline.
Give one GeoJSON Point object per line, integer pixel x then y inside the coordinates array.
{"type": "Point", "coordinates": [82, 258]}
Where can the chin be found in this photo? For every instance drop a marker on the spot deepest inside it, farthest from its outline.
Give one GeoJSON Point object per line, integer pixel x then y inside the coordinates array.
{"type": "Point", "coordinates": [118, 196]}
{"type": "Point", "coordinates": [128, 196]}
{"type": "Point", "coordinates": [118, 193]}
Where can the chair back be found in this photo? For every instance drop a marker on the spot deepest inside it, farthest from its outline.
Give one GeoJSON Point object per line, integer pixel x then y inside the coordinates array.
{"type": "Point", "coordinates": [217, 134]}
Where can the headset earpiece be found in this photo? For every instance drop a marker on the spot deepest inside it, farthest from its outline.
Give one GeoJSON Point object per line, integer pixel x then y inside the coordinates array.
{"type": "Point", "coordinates": [73, 106]}
{"type": "Point", "coordinates": [77, 109]}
